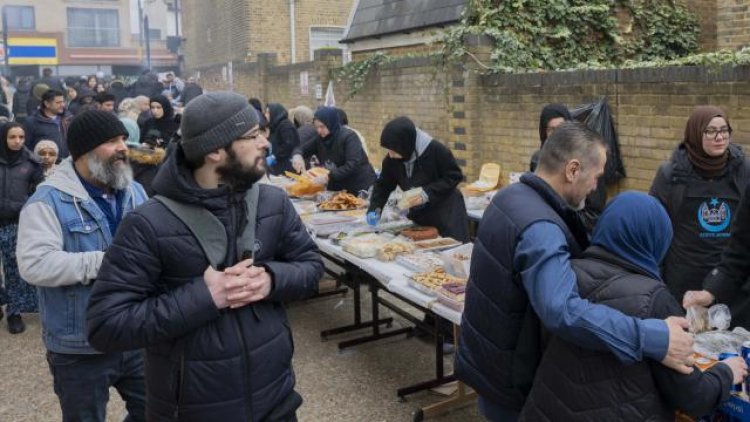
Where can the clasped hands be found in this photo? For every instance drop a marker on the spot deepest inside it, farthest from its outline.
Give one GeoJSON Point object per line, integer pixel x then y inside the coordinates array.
{"type": "Point", "coordinates": [238, 285]}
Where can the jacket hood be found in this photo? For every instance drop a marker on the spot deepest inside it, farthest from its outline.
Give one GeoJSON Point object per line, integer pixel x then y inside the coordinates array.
{"type": "Point", "coordinates": [66, 180]}
{"type": "Point", "coordinates": [277, 114]}
{"type": "Point", "coordinates": [147, 155]}
{"type": "Point", "coordinates": [175, 181]}
{"type": "Point", "coordinates": [636, 228]}
{"type": "Point", "coordinates": [39, 90]}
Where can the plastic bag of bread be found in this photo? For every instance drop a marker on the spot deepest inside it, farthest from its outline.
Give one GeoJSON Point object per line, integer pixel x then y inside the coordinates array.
{"type": "Point", "coordinates": [411, 198]}
{"type": "Point", "coordinates": [303, 184]}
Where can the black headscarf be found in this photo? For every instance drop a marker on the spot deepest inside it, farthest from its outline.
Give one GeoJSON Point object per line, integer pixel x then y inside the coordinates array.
{"type": "Point", "coordinates": [330, 118]}
{"type": "Point", "coordinates": [6, 153]}
{"type": "Point", "coordinates": [166, 105]}
{"type": "Point", "coordinates": [262, 122]}
{"type": "Point", "coordinates": [277, 113]}
{"type": "Point", "coordinates": [549, 112]}
{"type": "Point", "coordinates": [400, 135]}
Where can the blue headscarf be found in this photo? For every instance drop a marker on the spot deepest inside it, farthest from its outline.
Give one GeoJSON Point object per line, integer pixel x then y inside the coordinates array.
{"type": "Point", "coordinates": [329, 117]}
{"type": "Point", "coordinates": [636, 228]}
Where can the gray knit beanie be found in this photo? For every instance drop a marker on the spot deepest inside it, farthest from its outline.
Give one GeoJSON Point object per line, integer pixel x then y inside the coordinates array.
{"type": "Point", "coordinates": [213, 121]}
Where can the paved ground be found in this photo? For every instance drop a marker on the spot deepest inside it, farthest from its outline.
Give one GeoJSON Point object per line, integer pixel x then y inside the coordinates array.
{"type": "Point", "coordinates": [355, 385]}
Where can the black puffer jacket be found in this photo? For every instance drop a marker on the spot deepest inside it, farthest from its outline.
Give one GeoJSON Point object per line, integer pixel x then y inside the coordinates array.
{"type": "Point", "coordinates": [576, 384]}
{"type": "Point", "coordinates": [201, 363]}
{"type": "Point", "coordinates": [18, 181]}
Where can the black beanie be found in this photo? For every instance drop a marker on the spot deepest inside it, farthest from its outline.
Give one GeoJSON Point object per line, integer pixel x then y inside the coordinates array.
{"type": "Point", "coordinates": [92, 128]}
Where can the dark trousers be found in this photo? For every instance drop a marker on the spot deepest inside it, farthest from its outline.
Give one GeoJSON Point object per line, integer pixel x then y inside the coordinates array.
{"type": "Point", "coordinates": [82, 384]}
{"type": "Point", "coordinates": [495, 413]}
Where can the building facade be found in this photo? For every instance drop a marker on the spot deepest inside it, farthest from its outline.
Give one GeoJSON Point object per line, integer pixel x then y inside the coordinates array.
{"type": "Point", "coordinates": [75, 37]}
{"type": "Point", "coordinates": [238, 31]}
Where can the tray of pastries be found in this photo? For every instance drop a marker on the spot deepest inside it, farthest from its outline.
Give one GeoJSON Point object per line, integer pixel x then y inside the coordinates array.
{"type": "Point", "coordinates": [452, 295]}
{"type": "Point", "coordinates": [391, 250]}
{"type": "Point", "coordinates": [420, 233]}
{"type": "Point", "coordinates": [420, 261]}
{"type": "Point", "coordinates": [342, 201]}
{"type": "Point", "coordinates": [364, 246]}
{"type": "Point", "coordinates": [437, 244]}
{"type": "Point", "coordinates": [431, 282]}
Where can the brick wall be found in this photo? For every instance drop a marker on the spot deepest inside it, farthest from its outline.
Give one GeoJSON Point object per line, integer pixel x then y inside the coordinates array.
{"type": "Point", "coordinates": [733, 24]}
{"type": "Point", "coordinates": [494, 118]}
{"type": "Point", "coordinates": [706, 11]}
{"type": "Point", "coordinates": [215, 32]}
{"type": "Point", "coordinates": [221, 30]}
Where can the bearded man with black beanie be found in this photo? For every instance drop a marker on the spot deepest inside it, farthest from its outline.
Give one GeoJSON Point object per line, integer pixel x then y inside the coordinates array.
{"type": "Point", "coordinates": [64, 229]}
{"type": "Point", "coordinates": [218, 342]}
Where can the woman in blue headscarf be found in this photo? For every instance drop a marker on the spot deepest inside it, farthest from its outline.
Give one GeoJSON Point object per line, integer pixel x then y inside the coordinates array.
{"type": "Point", "coordinates": [339, 150]}
{"type": "Point", "coordinates": [621, 270]}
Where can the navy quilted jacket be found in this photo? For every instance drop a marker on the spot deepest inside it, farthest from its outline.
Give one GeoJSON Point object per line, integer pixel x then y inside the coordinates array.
{"type": "Point", "coordinates": [202, 363]}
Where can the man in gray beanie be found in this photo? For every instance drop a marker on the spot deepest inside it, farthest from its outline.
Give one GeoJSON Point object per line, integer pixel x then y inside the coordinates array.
{"type": "Point", "coordinates": [206, 298]}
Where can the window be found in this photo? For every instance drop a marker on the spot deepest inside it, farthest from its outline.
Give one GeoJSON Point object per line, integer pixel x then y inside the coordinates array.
{"type": "Point", "coordinates": [20, 18]}
{"type": "Point", "coordinates": [325, 37]}
{"type": "Point", "coordinates": [154, 34]}
{"type": "Point", "coordinates": [93, 28]}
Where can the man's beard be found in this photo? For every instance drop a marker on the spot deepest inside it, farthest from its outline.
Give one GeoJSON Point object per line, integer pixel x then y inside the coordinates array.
{"type": "Point", "coordinates": [108, 173]}
{"type": "Point", "coordinates": [237, 175]}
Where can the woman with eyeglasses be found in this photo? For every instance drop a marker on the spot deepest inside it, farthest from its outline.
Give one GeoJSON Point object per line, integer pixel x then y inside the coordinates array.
{"type": "Point", "coordinates": [700, 186]}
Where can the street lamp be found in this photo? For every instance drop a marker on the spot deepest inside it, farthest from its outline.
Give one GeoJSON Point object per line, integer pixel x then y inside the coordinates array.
{"type": "Point", "coordinates": [143, 31]}
{"type": "Point", "coordinates": [6, 54]}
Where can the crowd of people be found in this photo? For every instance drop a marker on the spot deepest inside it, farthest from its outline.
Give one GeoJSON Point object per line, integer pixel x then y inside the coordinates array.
{"type": "Point", "coordinates": [177, 300]}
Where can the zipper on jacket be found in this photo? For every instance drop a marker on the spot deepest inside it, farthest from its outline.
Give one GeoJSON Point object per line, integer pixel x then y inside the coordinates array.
{"type": "Point", "coordinates": [180, 386]}
{"type": "Point", "coordinates": [245, 359]}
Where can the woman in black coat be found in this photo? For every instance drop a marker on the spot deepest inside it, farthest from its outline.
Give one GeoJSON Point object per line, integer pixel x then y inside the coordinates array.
{"type": "Point", "coordinates": [162, 120]}
{"type": "Point", "coordinates": [20, 173]}
{"type": "Point", "coordinates": [284, 138]}
{"type": "Point", "coordinates": [339, 150]}
{"type": "Point", "coordinates": [414, 159]}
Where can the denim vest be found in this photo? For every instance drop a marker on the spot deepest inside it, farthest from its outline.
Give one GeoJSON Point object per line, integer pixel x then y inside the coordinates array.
{"type": "Point", "coordinates": [84, 229]}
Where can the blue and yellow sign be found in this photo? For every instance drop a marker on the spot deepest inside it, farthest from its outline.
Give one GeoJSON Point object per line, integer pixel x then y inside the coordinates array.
{"type": "Point", "coordinates": [32, 51]}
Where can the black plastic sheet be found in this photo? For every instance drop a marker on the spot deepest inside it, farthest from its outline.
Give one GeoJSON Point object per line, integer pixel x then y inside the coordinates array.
{"type": "Point", "coordinates": [597, 117]}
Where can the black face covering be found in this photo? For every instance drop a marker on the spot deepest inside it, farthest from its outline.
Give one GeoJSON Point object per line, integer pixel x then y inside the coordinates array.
{"type": "Point", "coordinates": [549, 112]}
{"type": "Point", "coordinates": [400, 135]}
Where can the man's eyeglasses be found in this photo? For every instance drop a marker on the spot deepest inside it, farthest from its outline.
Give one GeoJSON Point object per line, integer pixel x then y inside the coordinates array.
{"type": "Point", "coordinates": [252, 136]}
{"type": "Point", "coordinates": [713, 133]}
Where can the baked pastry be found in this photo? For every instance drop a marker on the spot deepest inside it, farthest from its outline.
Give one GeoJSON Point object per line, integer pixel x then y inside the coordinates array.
{"type": "Point", "coordinates": [420, 233]}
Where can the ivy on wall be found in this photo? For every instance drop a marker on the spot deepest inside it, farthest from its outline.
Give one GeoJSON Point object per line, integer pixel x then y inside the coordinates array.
{"type": "Point", "coordinates": [531, 35]}
{"type": "Point", "coordinates": [355, 73]}
{"type": "Point", "coordinates": [540, 35]}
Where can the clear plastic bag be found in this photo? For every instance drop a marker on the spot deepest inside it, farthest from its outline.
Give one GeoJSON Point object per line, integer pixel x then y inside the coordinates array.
{"type": "Point", "coordinates": [712, 343]}
{"type": "Point", "coordinates": [719, 317]}
{"type": "Point", "coordinates": [697, 317]}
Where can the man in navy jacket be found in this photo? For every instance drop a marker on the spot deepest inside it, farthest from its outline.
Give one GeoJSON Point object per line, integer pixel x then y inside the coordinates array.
{"type": "Point", "coordinates": [218, 342]}
{"type": "Point", "coordinates": [521, 282]}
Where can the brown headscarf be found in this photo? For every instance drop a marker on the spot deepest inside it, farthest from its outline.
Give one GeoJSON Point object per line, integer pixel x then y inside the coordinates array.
{"type": "Point", "coordinates": [693, 141]}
